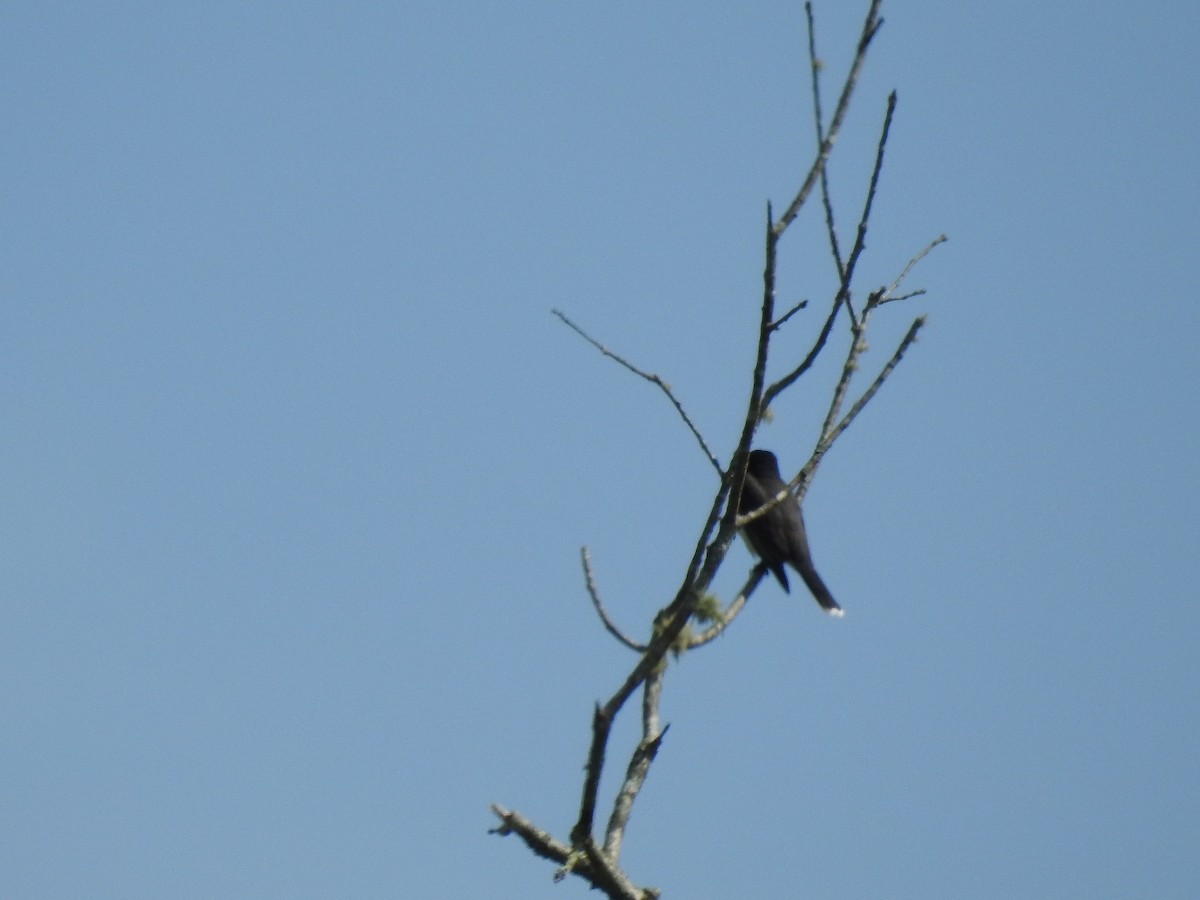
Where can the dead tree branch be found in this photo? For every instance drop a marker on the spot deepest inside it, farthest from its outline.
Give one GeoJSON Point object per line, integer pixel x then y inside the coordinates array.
{"type": "Point", "coordinates": [595, 857]}
{"type": "Point", "coordinates": [650, 377]}
{"type": "Point", "coordinates": [586, 558]}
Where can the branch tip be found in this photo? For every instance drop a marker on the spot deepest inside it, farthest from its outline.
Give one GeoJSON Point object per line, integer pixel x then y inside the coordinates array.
{"type": "Point", "coordinates": [648, 376]}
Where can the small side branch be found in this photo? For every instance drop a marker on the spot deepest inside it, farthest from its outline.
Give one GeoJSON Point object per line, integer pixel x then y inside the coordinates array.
{"type": "Point", "coordinates": [639, 765]}
{"type": "Point", "coordinates": [778, 323]}
{"type": "Point", "coordinates": [858, 343]}
{"type": "Point", "coordinates": [601, 725]}
{"type": "Point", "coordinates": [540, 842]}
{"type": "Point", "coordinates": [814, 63]}
{"type": "Point", "coordinates": [586, 557]}
{"type": "Point", "coordinates": [804, 476]}
{"type": "Point", "coordinates": [731, 612]}
{"type": "Point", "coordinates": [818, 345]}
{"type": "Point", "coordinates": [860, 240]}
{"type": "Point", "coordinates": [870, 392]}
{"type": "Point", "coordinates": [649, 376]}
{"type": "Point", "coordinates": [588, 864]}
{"type": "Point", "coordinates": [888, 295]}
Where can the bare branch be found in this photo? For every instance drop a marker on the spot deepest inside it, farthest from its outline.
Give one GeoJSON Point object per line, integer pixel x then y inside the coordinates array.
{"type": "Point", "coordinates": [815, 67]}
{"type": "Point", "coordinates": [885, 296]}
{"type": "Point", "coordinates": [649, 376]}
{"type": "Point", "coordinates": [857, 346]}
{"type": "Point", "coordinates": [878, 167]}
{"type": "Point", "coordinates": [588, 862]}
{"type": "Point", "coordinates": [668, 625]}
{"type": "Point", "coordinates": [601, 724]}
{"type": "Point", "coordinates": [793, 376]}
{"type": "Point", "coordinates": [876, 299]}
{"type": "Point", "coordinates": [870, 392]}
{"type": "Point", "coordinates": [870, 28]}
{"type": "Point", "coordinates": [540, 842]}
{"type": "Point", "coordinates": [639, 765]}
{"type": "Point", "coordinates": [731, 612]}
{"type": "Point", "coordinates": [920, 292]}
{"type": "Point", "coordinates": [584, 856]}
{"type": "Point", "coordinates": [804, 477]}
{"type": "Point", "coordinates": [612, 880]}
{"type": "Point", "coordinates": [586, 557]}
{"type": "Point", "coordinates": [843, 295]}
{"type": "Point", "coordinates": [735, 477]}
{"type": "Point", "coordinates": [755, 514]}
{"type": "Point", "coordinates": [672, 620]}
{"type": "Point", "coordinates": [778, 323]}
{"type": "Point", "coordinates": [860, 240]}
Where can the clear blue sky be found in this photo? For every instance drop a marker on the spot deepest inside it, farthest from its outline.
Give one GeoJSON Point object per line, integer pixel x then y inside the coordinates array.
{"type": "Point", "coordinates": [295, 462]}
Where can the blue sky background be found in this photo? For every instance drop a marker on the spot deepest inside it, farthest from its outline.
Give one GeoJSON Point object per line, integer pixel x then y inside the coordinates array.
{"type": "Point", "coordinates": [295, 462]}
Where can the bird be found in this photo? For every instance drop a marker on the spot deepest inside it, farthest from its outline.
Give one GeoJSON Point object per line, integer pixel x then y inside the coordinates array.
{"type": "Point", "coordinates": [778, 537]}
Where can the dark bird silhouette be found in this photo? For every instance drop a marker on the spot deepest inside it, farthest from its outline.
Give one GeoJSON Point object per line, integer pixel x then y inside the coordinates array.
{"type": "Point", "coordinates": [778, 536]}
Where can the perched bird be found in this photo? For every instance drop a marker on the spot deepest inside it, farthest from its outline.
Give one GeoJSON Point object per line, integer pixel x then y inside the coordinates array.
{"type": "Point", "coordinates": [778, 536]}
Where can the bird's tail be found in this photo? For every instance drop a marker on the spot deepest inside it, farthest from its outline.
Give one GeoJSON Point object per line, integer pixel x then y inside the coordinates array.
{"type": "Point", "coordinates": [819, 591]}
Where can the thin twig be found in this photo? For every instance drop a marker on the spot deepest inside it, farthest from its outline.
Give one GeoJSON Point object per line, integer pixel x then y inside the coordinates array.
{"type": "Point", "coordinates": [886, 294]}
{"type": "Point", "coordinates": [793, 376]}
{"type": "Point", "coordinates": [920, 292]}
{"type": "Point", "coordinates": [861, 238]}
{"type": "Point", "coordinates": [799, 485]}
{"type": "Point", "coordinates": [858, 344]}
{"type": "Point", "coordinates": [778, 323]}
{"type": "Point", "coordinates": [858, 327]}
{"type": "Point", "coordinates": [870, 392]}
{"type": "Point", "coordinates": [649, 376]}
{"type": "Point", "coordinates": [586, 556]}
{"type": "Point", "coordinates": [870, 27]}
{"type": "Point", "coordinates": [804, 476]}
{"type": "Point", "coordinates": [754, 515]}
{"type": "Point", "coordinates": [731, 612]}
{"type": "Point", "coordinates": [815, 67]}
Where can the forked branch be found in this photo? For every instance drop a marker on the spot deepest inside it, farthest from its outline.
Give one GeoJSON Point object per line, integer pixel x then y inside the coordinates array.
{"type": "Point", "coordinates": [587, 855]}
